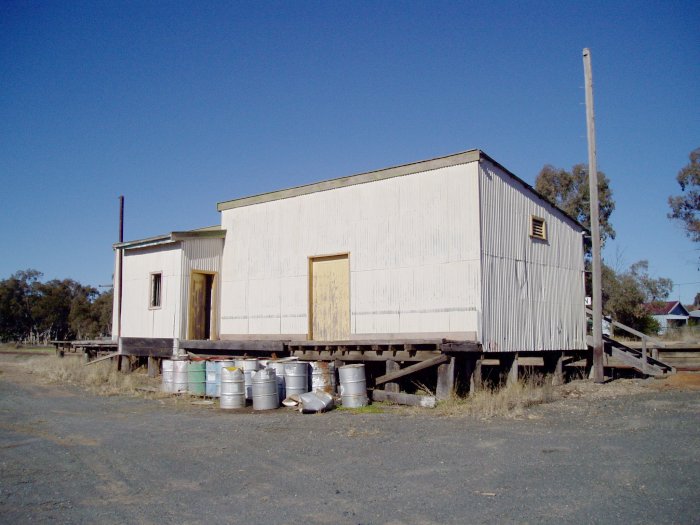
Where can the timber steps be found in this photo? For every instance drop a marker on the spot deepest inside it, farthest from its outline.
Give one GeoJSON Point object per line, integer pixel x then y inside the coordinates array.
{"type": "Point", "coordinates": [644, 360]}
{"type": "Point", "coordinates": [645, 364]}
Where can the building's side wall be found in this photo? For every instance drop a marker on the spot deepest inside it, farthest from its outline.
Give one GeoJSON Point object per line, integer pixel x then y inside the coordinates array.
{"type": "Point", "coordinates": [533, 291]}
{"type": "Point", "coordinates": [413, 250]}
{"type": "Point", "coordinates": [203, 255]}
{"type": "Point", "coordinates": [138, 320]}
{"type": "Point", "coordinates": [663, 323]}
{"type": "Point", "coordinates": [670, 321]}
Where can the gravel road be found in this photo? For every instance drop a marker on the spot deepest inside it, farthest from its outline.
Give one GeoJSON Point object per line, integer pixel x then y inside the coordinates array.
{"type": "Point", "coordinates": [68, 456]}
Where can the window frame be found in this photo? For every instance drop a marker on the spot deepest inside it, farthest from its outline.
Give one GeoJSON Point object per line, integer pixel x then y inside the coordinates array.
{"type": "Point", "coordinates": [152, 291]}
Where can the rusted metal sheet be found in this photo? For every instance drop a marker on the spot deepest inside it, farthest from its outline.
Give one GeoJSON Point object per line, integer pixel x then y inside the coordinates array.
{"type": "Point", "coordinates": [323, 376]}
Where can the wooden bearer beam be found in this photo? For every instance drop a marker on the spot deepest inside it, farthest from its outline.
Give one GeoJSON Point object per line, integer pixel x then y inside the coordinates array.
{"type": "Point", "coordinates": [404, 399]}
{"type": "Point", "coordinates": [230, 344]}
{"type": "Point", "coordinates": [386, 378]}
{"type": "Point", "coordinates": [353, 355]}
{"type": "Point", "coordinates": [460, 346]}
{"type": "Point", "coordinates": [146, 346]}
{"type": "Point", "coordinates": [108, 356]}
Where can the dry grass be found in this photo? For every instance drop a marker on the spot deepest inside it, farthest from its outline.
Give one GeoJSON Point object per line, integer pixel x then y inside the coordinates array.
{"type": "Point", "coordinates": [505, 401]}
{"type": "Point", "coordinates": [100, 378]}
{"type": "Point", "coordinates": [28, 349]}
{"type": "Point", "coordinates": [685, 334]}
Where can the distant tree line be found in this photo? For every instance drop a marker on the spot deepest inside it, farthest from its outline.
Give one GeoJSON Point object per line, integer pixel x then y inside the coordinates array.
{"type": "Point", "coordinates": [33, 311]}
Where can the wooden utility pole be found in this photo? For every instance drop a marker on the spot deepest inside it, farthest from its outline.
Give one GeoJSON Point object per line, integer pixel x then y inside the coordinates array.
{"type": "Point", "coordinates": [120, 272]}
{"type": "Point", "coordinates": [598, 372]}
{"type": "Point", "coordinates": [121, 262]}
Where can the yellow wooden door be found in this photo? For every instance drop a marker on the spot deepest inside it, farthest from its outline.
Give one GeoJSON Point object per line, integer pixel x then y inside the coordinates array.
{"type": "Point", "coordinates": [330, 298]}
{"type": "Point", "coordinates": [197, 314]}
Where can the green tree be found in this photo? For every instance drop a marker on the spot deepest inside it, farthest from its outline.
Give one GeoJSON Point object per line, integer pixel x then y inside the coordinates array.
{"type": "Point", "coordinates": [91, 313]}
{"type": "Point", "coordinates": [84, 317]}
{"type": "Point", "coordinates": [51, 309]}
{"type": "Point", "coordinates": [655, 289]}
{"type": "Point", "coordinates": [626, 295]}
{"type": "Point", "coordinates": [102, 308]}
{"type": "Point", "coordinates": [35, 311]}
{"type": "Point", "coordinates": [685, 208]}
{"type": "Point", "coordinates": [16, 297]}
{"type": "Point", "coordinates": [569, 191]}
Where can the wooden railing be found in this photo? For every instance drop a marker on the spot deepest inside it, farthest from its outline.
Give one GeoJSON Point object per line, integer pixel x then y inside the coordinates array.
{"type": "Point", "coordinates": [647, 342]}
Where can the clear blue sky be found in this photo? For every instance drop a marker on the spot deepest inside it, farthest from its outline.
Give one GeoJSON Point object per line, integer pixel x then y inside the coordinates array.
{"type": "Point", "coordinates": [179, 105]}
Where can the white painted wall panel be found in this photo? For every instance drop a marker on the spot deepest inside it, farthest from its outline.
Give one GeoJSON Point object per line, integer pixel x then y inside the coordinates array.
{"type": "Point", "coordinates": [138, 320]}
{"type": "Point", "coordinates": [175, 261]}
{"type": "Point", "coordinates": [293, 300]}
{"type": "Point", "coordinates": [533, 295]}
{"type": "Point", "coordinates": [414, 255]}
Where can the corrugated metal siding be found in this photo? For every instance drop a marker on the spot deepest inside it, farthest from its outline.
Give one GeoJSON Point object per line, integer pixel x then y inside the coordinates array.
{"type": "Point", "coordinates": [532, 291]}
{"type": "Point", "coordinates": [138, 320]}
{"type": "Point", "coordinates": [413, 245]}
{"type": "Point", "coordinates": [203, 255]}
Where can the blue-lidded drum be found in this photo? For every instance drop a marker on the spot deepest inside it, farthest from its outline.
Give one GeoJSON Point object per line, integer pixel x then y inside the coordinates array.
{"type": "Point", "coordinates": [212, 378]}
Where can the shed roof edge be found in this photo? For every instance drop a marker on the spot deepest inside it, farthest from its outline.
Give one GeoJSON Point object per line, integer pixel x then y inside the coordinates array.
{"type": "Point", "coordinates": [204, 233]}
{"type": "Point", "coordinates": [455, 159]}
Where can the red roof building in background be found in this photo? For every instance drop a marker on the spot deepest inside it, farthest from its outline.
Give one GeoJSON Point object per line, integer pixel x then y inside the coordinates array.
{"type": "Point", "coordinates": [669, 314]}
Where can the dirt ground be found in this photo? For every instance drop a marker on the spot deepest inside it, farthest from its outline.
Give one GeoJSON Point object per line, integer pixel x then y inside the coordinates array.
{"type": "Point", "coordinates": [624, 452]}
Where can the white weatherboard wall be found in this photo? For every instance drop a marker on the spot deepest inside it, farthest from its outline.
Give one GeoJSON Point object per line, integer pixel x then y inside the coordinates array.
{"type": "Point", "coordinates": [138, 320]}
{"type": "Point", "coordinates": [533, 291]}
{"type": "Point", "coordinates": [413, 244]}
{"type": "Point", "coordinates": [175, 261]}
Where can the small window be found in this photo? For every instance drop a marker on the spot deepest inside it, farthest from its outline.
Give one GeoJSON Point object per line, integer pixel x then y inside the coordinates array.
{"type": "Point", "coordinates": [156, 286]}
{"type": "Point", "coordinates": [538, 228]}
